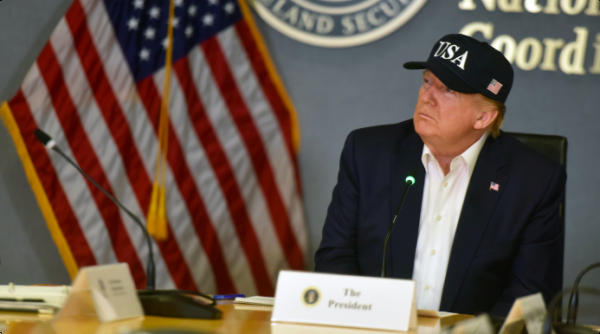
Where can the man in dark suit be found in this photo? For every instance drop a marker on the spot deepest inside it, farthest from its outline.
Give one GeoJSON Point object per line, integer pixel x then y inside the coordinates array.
{"type": "Point", "coordinates": [480, 227]}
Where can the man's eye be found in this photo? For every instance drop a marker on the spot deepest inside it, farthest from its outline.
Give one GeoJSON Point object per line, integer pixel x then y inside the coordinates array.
{"type": "Point", "coordinates": [449, 90]}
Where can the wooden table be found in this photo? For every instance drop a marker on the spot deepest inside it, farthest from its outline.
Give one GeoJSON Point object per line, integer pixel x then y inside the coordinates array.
{"type": "Point", "coordinates": [236, 319]}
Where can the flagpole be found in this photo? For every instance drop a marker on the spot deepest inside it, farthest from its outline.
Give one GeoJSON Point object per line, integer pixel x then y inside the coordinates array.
{"type": "Point", "coordinates": [169, 303]}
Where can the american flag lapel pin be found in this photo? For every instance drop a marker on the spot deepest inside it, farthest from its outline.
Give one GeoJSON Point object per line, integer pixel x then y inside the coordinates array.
{"type": "Point", "coordinates": [494, 186]}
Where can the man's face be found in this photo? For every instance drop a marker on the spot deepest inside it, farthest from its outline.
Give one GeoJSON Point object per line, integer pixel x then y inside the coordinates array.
{"type": "Point", "coordinates": [443, 116]}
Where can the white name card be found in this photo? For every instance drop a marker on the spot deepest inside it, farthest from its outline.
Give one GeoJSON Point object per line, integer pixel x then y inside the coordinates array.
{"type": "Point", "coordinates": [351, 301]}
{"type": "Point", "coordinates": [106, 291]}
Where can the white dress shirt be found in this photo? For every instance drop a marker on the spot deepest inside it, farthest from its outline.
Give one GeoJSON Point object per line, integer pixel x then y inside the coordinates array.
{"type": "Point", "coordinates": [443, 197]}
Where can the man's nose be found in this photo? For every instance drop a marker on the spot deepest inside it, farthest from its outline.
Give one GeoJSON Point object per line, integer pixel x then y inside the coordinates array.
{"type": "Point", "coordinates": [428, 95]}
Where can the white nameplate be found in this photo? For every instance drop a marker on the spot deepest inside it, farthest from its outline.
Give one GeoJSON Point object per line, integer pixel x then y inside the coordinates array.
{"type": "Point", "coordinates": [339, 300]}
{"type": "Point", "coordinates": [106, 291]}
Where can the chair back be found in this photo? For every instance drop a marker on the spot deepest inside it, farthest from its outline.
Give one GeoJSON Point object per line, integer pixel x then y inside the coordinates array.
{"type": "Point", "coordinates": [555, 148]}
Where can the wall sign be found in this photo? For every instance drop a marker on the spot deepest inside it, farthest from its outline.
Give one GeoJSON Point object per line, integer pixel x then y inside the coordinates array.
{"type": "Point", "coordinates": [337, 23]}
{"type": "Point", "coordinates": [541, 50]}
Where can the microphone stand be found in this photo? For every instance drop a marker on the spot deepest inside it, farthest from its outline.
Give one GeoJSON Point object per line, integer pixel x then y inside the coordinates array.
{"type": "Point", "coordinates": [552, 322]}
{"type": "Point", "coordinates": [410, 180]}
{"type": "Point", "coordinates": [162, 303]}
{"type": "Point", "coordinates": [574, 298]}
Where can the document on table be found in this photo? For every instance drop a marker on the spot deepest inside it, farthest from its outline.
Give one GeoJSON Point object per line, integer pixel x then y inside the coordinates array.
{"type": "Point", "coordinates": [433, 313]}
{"type": "Point", "coordinates": [256, 300]}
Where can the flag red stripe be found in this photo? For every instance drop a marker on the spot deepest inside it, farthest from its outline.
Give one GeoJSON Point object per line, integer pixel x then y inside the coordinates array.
{"type": "Point", "coordinates": [268, 87]}
{"type": "Point", "coordinates": [175, 262]}
{"type": "Point", "coordinates": [225, 176]}
{"type": "Point", "coordinates": [262, 168]}
{"type": "Point", "coordinates": [86, 158]}
{"type": "Point", "coordinates": [65, 217]}
{"type": "Point", "coordinates": [123, 138]}
{"type": "Point", "coordinates": [187, 187]}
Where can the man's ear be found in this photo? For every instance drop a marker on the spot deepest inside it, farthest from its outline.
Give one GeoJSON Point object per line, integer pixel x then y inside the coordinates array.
{"type": "Point", "coordinates": [485, 118]}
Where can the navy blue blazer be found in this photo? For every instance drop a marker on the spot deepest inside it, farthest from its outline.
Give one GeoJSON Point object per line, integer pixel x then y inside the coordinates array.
{"type": "Point", "coordinates": [507, 242]}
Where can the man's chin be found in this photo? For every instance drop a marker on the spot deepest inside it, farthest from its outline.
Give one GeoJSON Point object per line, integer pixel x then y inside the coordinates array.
{"type": "Point", "coordinates": [423, 128]}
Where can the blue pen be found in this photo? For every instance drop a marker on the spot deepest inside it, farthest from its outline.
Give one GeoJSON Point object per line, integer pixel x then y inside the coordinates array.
{"type": "Point", "coordinates": [223, 297]}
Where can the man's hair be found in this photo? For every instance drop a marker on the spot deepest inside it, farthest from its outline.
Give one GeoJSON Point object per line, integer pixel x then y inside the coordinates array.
{"type": "Point", "coordinates": [497, 105]}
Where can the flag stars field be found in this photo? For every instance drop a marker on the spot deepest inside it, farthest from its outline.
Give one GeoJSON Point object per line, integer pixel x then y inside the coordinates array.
{"type": "Point", "coordinates": [154, 12]}
{"type": "Point", "coordinates": [229, 8]}
{"type": "Point", "coordinates": [192, 20]}
{"type": "Point", "coordinates": [192, 10]}
{"type": "Point", "coordinates": [144, 54]}
{"type": "Point", "coordinates": [208, 20]}
{"type": "Point", "coordinates": [138, 4]}
{"type": "Point", "coordinates": [189, 31]}
{"type": "Point", "coordinates": [175, 22]}
{"type": "Point", "coordinates": [165, 43]}
{"type": "Point", "coordinates": [150, 33]}
{"type": "Point", "coordinates": [133, 23]}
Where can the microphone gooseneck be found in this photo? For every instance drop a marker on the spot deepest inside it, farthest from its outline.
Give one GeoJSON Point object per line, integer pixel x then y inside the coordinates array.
{"type": "Point", "coordinates": [410, 180]}
{"type": "Point", "coordinates": [552, 322]}
{"type": "Point", "coordinates": [45, 139]}
{"type": "Point", "coordinates": [162, 303]}
{"type": "Point", "coordinates": [574, 298]}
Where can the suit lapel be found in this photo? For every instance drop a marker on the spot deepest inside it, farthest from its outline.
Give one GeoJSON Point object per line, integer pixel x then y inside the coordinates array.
{"type": "Point", "coordinates": [405, 158]}
{"type": "Point", "coordinates": [478, 207]}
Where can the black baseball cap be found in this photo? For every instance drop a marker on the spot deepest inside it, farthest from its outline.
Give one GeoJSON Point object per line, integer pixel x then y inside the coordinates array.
{"type": "Point", "coordinates": [467, 65]}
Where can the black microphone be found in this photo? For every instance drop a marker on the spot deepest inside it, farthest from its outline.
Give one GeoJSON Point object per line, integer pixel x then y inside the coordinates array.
{"type": "Point", "coordinates": [165, 303]}
{"type": "Point", "coordinates": [410, 180]}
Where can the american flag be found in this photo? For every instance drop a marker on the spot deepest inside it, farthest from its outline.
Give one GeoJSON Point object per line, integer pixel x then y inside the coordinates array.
{"type": "Point", "coordinates": [494, 86]}
{"type": "Point", "coordinates": [234, 208]}
{"type": "Point", "coordinates": [494, 186]}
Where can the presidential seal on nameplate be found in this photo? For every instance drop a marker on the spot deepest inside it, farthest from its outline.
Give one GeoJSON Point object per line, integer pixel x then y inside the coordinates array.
{"type": "Point", "coordinates": [340, 300]}
{"type": "Point", "coordinates": [336, 23]}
